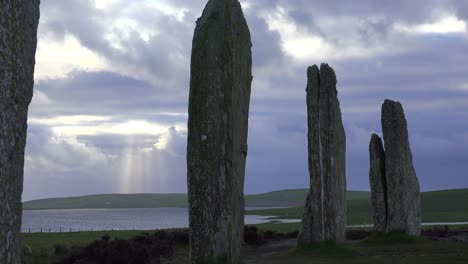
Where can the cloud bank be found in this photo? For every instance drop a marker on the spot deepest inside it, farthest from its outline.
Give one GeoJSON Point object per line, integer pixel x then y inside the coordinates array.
{"type": "Point", "coordinates": [112, 77]}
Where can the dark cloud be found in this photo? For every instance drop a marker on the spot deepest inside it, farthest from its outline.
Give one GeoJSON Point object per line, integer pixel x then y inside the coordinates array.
{"type": "Point", "coordinates": [156, 58]}
{"type": "Point", "coordinates": [108, 93]}
{"type": "Point", "coordinates": [147, 78]}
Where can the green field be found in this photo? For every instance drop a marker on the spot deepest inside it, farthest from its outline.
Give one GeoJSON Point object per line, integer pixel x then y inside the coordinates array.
{"type": "Point", "coordinates": [438, 206]}
{"type": "Point", "coordinates": [271, 199]}
{"type": "Point", "coordinates": [294, 197]}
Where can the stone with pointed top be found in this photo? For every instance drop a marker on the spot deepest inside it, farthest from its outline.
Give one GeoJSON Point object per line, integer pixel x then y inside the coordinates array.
{"type": "Point", "coordinates": [403, 193]}
{"type": "Point", "coordinates": [221, 75]}
{"type": "Point", "coordinates": [325, 209]}
{"type": "Point", "coordinates": [378, 183]}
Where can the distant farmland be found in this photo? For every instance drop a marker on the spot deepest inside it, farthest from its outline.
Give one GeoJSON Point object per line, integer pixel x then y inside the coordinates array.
{"type": "Point", "coordinates": [438, 206]}
{"type": "Point", "coordinates": [284, 198]}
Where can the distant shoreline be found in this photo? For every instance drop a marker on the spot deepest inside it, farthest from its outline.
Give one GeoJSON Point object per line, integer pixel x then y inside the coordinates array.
{"type": "Point", "coordinates": [283, 198]}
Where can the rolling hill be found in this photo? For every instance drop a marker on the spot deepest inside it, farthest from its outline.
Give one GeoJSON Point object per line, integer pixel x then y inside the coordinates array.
{"type": "Point", "coordinates": [284, 198]}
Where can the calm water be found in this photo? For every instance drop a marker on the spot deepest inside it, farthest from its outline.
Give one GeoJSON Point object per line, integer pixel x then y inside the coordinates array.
{"type": "Point", "coordinates": [108, 219]}
{"type": "Point", "coordinates": [127, 219]}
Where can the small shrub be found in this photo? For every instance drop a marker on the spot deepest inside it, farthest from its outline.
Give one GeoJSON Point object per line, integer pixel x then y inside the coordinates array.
{"type": "Point", "coordinates": [268, 234]}
{"type": "Point", "coordinates": [46, 252]}
{"type": "Point", "coordinates": [292, 235]}
{"type": "Point", "coordinates": [181, 236]}
{"type": "Point", "coordinates": [105, 237]}
{"type": "Point", "coordinates": [357, 234]}
{"type": "Point", "coordinates": [250, 235]}
{"type": "Point", "coordinates": [27, 250]}
{"type": "Point", "coordinates": [142, 249]}
{"type": "Point", "coordinates": [60, 249]}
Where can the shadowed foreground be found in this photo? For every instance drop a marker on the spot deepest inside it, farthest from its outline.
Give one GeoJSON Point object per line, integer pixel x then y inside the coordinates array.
{"type": "Point", "coordinates": [436, 246]}
{"type": "Point", "coordinates": [393, 248]}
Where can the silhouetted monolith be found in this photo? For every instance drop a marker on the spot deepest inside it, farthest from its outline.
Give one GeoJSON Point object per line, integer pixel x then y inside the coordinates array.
{"type": "Point", "coordinates": [221, 77]}
{"type": "Point", "coordinates": [404, 211]}
{"type": "Point", "coordinates": [378, 183]}
{"type": "Point", "coordinates": [18, 38]}
{"type": "Point", "coordinates": [325, 209]}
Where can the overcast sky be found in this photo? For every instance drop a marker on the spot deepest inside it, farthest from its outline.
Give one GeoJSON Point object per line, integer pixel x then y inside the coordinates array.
{"type": "Point", "coordinates": [112, 78]}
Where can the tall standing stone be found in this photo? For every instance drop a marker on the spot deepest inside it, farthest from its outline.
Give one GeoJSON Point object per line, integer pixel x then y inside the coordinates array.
{"type": "Point", "coordinates": [221, 76]}
{"type": "Point", "coordinates": [325, 210]}
{"type": "Point", "coordinates": [404, 211]}
{"type": "Point", "coordinates": [378, 183]}
{"type": "Point", "coordinates": [18, 37]}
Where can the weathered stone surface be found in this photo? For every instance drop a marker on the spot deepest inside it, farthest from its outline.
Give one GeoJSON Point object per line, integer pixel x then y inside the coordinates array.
{"type": "Point", "coordinates": [18, 32]}
{"type": "Point", "coordinates": [221, 76]}
{"type": "Point", "coordinates": [404, 211]}
{"type": "Point", "coordinates": [325, 209]}
{"type": "Point", "coordinates": [378, 183]}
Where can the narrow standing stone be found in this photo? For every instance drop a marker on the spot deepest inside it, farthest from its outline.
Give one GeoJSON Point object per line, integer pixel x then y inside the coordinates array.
{"type": "Point", "coordinates": [325, 210]}
{"type": "Point", "coordinates": [378, 183]}
{"type": "Point", "coordinates": [404, 211]}
{"type": "Point", "coordinates": [18, 37]}
{"type": "Point", "coordinates": [221, 76]}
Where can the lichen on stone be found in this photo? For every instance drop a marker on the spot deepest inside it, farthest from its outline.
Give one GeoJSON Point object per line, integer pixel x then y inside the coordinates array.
{"type": "Point", "coordinates": [18, 39]}
{"type": "Point", "coordinates": [325, 210]}
{"type": "Point", "coordinates": [220, 83]}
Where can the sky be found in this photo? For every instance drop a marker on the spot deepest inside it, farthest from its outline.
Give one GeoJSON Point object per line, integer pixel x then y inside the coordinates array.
{"type": "Point", "coordinates": [109, 112]}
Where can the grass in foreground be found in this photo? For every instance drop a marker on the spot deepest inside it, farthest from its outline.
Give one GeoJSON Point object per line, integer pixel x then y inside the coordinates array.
{"type": "Point", "coordinates": [324, 249]}
{"type": "Point", "coordinates": [391, 238]}
{"type": "Point", "coordinates": [428, 253]}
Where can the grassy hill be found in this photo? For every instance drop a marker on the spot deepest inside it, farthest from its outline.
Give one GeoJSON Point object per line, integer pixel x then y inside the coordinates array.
{"type": "Point", "coordinates": [110, 201]}
{"type": "Point", "coordinates": [293, 197]}
{"type": "Point", "coordinates": [272, 199]}
{"type": "Point", "coordinates": [438, 206]}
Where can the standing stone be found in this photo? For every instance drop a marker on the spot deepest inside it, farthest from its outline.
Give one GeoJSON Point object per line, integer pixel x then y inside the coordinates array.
{"type": "Point", "coordinates": [378, 183]}
{"type": "Point", "coordinates": [325, 210]}
{"type": "Point", "coordinates": [18, 32]}
{"type": "Point", "coordinates": [404, 211]}
{"type": "Point", "coordinates": [221, 76]}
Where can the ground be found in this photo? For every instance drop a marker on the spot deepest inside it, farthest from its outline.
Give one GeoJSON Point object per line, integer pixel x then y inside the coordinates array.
{"type": "Point", "coordinates": [354, 252]}
{"type": "Point", "coordinates": [376, 250]}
